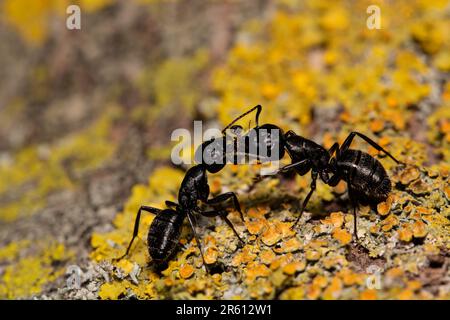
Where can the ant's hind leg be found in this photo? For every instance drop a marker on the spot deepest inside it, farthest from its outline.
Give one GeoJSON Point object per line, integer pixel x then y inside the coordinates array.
{"type": "Point", "coordinates": [136, 226]}
{"type": "Point", "coordinates": [192, 222]}
{"type": "Point", "coordinates": [352, 135]}
{"type": "Point", "coordinates": [224, 197]}
{"type": "Point", "coordinates": [223, 214]}
{"type": "Point", "coordinates": [355, 216]}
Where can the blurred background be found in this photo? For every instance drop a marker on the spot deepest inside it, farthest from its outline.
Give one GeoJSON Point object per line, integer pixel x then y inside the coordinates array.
{"type": "Point", "coordinates": [86, 115]}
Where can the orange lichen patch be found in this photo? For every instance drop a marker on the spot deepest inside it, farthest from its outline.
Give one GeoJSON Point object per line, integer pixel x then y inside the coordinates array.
{"type": "Point", "coordinates": [397, 118]}
{"type": "Point", "coordinates": [342, 235]}
{"type": "Point", "coordinates": [257, 212]}
{"type": "Point", "coordinates": [420, 187]}
{"type": "Point", "coordinates": [217, 278]}
{"type": "Point", "coordinates": [331, 261]}
{"type": "Point", "coordinates": [186, 271]}
{"type": "Point", "coordinates": [336, 219]}
{"type": "Point", "coordinates": [406, 294]}
{"type": "Point", "coordinates": [389, 223]}
{"type": "Point", "coordinates": [409, 174]}
{"type": "Point", "coordinates": [419, 229]}
{"type": "Point", "coordinates": [376, 125]}
{"type": "Point", "coordinates": [333, 291]}
{"type": "Point", "coordinates": [254, 271]}
{"type": "Point", "coordinates": [350, 278]}
{"type": "Point", "coordinates": [267, 256]}
{"type": "Point", "coordinates": [211, 255]}
{"type": "Point", "coordinates": [290, 245]}
{"type": "Point", "coordinates": [394, 273]}
{"type": "Point", "coordinates": [414, 285]}
{"type": "Point", "coordinates": [271, 235]}
{"type": "Point", "coordinates": [256, 226]}
{"type": "Point", "coordinates": [346, 117]}
{"type": "Point", "coordinates": [320, 281]}
{"type": "Point", "coordinates": [447, 192]}
{"type": "Point", "coordinates": [294, 267]}
{"type": "Point", "coordinates": [312, 255]}
{"type": "Point", "coordinates": [317, 243]}
{"type": "Point", "coordinates": [374, 229]}
{"type": "Point", "coordinates": [280, 261]}
{"type": "Point", "coordinates": [369, 294]}
{"type": "Point", "coordinates": [245, 256]}
{"type": "Point", "coordinates": [405, 233]}
{"type": "Point", "coordinates": [294, 293]}
{"type": "Point", "coordinates": [314, 291]}
{"type": "Point", "coordinates": [196, 285]}
{"type": "Point", "coordinates": [431, 249]}
{"type": "Point", "coordinates": [423, 210]}
{"type": "Point", "coordinates": [383, 208]}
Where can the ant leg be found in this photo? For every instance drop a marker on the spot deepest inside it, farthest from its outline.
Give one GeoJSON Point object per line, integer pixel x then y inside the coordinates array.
{"type": "Point", "coordinates": [192, 222]}
{"type": "Point", "coordinates": [223, 214]}
{"type": "Point", "coordinates": [333, 181]}
{"type": "Point", "coordinates": [349, 140]}
{"type": "Point", "coordinates": [305, 202]}
{"type": "Point", "coordinates": [293, 165]}
{"type": "Point", "coordinates": [355, 223]}
{"type": "Point", "coordinates": [286, 168]}
{"type": "Point", "coordinates": [334, 148]}
{"type": "Point", "coordinates": [224, 197]}
{"type": "Point", "coordinates": [136, 225]}
{"type": "Point", "coordinates": [171, 204]}
{"type": "Point", "coordinates": [258, 111]}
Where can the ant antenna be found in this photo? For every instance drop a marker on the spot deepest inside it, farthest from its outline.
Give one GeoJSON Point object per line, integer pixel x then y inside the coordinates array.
{"type": "Point", "coordinates": [258, 109]}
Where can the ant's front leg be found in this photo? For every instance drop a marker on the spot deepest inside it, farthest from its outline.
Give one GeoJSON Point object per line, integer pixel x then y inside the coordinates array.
{"type": "Point", "coordinates": [223, 214]}
{"type": "Point", "coordinates": [293, 165]}
{"type": "Point", "coordinates": [224, 197]}
{"type": "Point", "coordinates": [305, 202]}
{"type": "Point", "coordinates": [286, 168]}
{"type": "Point", "coordinates": [136, 225]}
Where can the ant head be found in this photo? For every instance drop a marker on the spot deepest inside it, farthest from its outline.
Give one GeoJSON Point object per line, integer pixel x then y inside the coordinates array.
{"type": "Point", "coordinates": [292, 142]}
{"type": "Point", "coordinates": [290, 134]}
{"type": "Point", "coordinates": [236, 130]}
{"type": "Point", "coordinates": [270, 141]}
{"type": "Point", "coordinates": [211, 154]}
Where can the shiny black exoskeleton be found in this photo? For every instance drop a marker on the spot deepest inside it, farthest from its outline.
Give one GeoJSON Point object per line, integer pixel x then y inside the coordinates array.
{"type": "Point", "coordinates": [165, 230]}
{"type": "Point", "coordinates": [367, 180]}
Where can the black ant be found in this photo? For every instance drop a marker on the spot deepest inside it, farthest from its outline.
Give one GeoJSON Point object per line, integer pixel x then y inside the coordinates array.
{"type": "Point", "coordinates": [165, 229]}
{"type": "Point", "coordinates": [366, 178]}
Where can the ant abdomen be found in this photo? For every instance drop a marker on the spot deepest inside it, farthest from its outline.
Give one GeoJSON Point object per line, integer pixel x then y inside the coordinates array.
{"type": "Point", "coordinates": [164, 235]}
{"type": "Point", "coordinates": [366, 177]}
